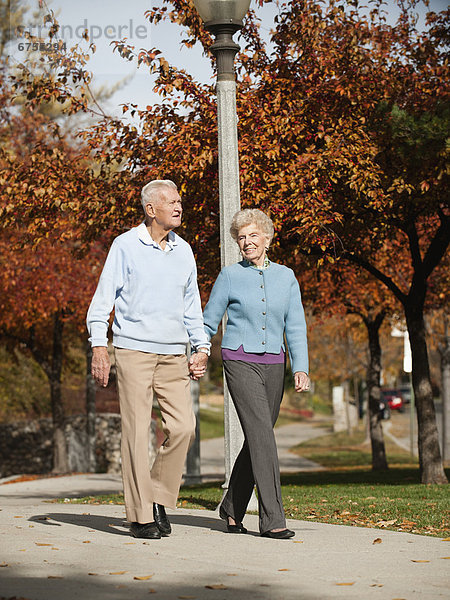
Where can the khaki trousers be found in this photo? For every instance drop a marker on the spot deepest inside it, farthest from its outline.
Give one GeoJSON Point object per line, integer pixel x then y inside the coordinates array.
{"type": "Point", "coordinates": [139, 375]}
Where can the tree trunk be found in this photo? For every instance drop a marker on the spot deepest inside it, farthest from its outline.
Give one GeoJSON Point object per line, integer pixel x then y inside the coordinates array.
{"type": "Point", "coordinates": [379, 461]}
{"type": "Point", "coordinates": [90, 413]}
{"type": "Point", "coordinates": [431, 468]}
{"type": "Point", "coordinates": [444, 351]}
{"type": "Point", "coordinates": [60, 457]}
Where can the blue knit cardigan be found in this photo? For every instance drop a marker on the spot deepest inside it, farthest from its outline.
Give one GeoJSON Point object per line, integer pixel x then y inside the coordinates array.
{"type": "Point", "coordinates": [263, 306]}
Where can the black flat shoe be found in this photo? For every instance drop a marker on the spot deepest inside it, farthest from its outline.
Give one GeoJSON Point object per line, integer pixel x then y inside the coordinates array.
{"type": "Point", "coordinates": [161, 520]}
{"type": "Point", "coordinates": [284, 534]}
{"type": "Point", "coordinates": [238, 528]}
{"type": "Point", "coordinates": [148, 531]}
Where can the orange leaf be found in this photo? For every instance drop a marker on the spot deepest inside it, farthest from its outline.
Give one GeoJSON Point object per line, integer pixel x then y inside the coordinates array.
{"type": "Point", "coordinates": [216, 586]}
{"type": "Point", "coordinates": [118, 572]}
{"type": "Point", "coordinates": [143, 577]}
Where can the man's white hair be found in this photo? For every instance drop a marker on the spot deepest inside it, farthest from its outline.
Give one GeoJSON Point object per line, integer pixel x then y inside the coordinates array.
{"type": "Point", "coordinates": [151, 192]}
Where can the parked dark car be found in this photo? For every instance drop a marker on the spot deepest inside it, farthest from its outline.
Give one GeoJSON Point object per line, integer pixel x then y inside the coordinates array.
{"type": "Point", "coordinates": [393, 398]}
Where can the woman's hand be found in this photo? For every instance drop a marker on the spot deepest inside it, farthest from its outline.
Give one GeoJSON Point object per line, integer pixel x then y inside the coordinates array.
{"type": "Point", "coordinates": [301, 381]}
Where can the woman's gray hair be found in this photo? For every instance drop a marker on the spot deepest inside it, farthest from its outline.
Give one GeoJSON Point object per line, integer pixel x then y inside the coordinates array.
{"type": "Point", "coordinates": [252, 216]}
{"type": "Point", "coordinates": [151, 192]}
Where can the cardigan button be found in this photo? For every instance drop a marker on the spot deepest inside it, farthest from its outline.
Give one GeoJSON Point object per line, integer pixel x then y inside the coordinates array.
{"type": "Point", "coordinates": [262, 286]}
{"type": "Point", "coordinates": [260, 272]}
{"type": "Point", "coordinates": [263, 343]}
{"type": "Point", "coordinates": [263, 328]}
{"type": "Point", "coordinates": [263, 299]}
{"type": "Point", "coordinates": [264, 313]}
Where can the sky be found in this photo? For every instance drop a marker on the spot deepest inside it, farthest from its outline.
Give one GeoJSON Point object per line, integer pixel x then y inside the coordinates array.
{"type": "Point", "coordinates": [108, 20]}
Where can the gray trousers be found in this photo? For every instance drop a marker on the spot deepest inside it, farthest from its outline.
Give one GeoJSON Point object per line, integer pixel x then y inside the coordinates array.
{"type": "Point", "coordinates": [256, 391]}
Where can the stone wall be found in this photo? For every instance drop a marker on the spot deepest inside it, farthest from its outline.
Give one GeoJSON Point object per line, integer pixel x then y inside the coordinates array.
{"type": "Point", "coordinates": [26, 446]}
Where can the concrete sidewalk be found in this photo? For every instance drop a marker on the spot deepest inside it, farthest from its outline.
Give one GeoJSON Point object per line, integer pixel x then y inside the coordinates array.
{"type": "Point", "coordinates": [69, 551]}
{"type": "Point", "coordinates": [212, 459]}
{"type": "Point", "coordinates": [53, 551]}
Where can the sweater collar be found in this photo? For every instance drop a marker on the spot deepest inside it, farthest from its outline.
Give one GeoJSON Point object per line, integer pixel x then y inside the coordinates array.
{"type": "Point", "coordinates": [266, 264]}
{"type": "Point", "coordinates": [146, 238]}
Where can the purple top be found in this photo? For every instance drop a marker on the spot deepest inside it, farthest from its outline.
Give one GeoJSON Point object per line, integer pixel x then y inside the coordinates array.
{"type": "Point", "coordinates": [265, 358]}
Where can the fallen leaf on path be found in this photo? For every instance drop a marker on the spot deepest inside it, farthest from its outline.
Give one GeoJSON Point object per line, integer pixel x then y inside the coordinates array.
{"type": "Point", "coordinates": [55, 577]}
{"type": "Point", "coordinates": [54, 548]}
{"type": "Point", "coordinates": [446, 539]}
{"type": "Point", "coordinates": [4, 565]}
{"type": "Point", "coordinates": [40, 544]}
{"type": "Point", "coordinates": [87, 542]}
{"type": "Point", "coordinates": [151, 591]}
{"type": "Point", "coordinates": [232, 574]}
{"type": "Point", "coordinates": [444, 557]}
{"type": "Point", "coordinates": [420, 561]}
{"type": "Point", "coordinates": [129, 543]}
{"type": "Point", "coordinates": [377, 541]}
{"type": "Point", "coordinates": [19, 517]}
{"type": "Point", "coordinates": [118, 572]}
{"type": "Point", "coordinates": [377, 585]}
{"type": "Point", "coordinates": [347, 583]}
{"type": "Point", "coordinates": [187, 597]}
{"type": "Point", "coordinates": [216, 586]}
{"type": "Point", "coordinates": [386, 523]}
{"type": "Point", "coordinates": [284, 569]}
{"type": "Point", "coordinates": [143, 577]}
{"type": "Point", "coordinates": [92, 573]}
{"type": "Point", "coordinates": [297, 542]}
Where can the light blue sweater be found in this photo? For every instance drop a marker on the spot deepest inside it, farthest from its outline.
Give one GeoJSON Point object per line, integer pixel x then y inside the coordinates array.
{"type": "Point", "coordinates": [154, 293]}
{"type": "Point", "coordinates": [262, 305]}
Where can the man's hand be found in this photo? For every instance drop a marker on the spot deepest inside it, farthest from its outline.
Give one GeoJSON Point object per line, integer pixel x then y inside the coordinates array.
{"type": "Point", "coordinates": [301, 381]}
{"type": "Point", "coordinates": [197, 365]}
{"type": "Point", "coordinates": [100, 365]}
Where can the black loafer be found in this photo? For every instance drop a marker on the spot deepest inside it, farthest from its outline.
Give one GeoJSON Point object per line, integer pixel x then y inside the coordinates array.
{"type": "Point", "coordinates": [284, 534]}
{"type": "Point", "coordinates": [238, 528]}
{"type": "Point", "coordinates": [161, 520]}
{"type": "Point", "coordinates": [148, 531]}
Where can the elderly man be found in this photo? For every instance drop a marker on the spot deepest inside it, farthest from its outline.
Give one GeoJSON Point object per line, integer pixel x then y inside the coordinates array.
{"type": "Point", "coordinates": [150, 279]}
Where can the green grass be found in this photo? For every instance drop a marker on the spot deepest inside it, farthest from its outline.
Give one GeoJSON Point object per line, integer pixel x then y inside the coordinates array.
{"type": "Point", "coordinates": [212, 426]}
{"type": "Point", "coordinates": [348, 492]}
{"type": "Point", "coordinates": [336, 450]}
{"type": "Point", "coordinates": [211, 423]}
{"type": "Point", "coordinates": [394, 499]}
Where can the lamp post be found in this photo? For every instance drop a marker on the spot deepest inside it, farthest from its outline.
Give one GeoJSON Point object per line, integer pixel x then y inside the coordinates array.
{"type": "Point", "coordinates": [223, 18]}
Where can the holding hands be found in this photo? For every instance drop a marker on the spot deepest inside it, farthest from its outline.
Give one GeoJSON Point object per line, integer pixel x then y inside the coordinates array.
{"type": "Point", "coordinates": [197, 365]}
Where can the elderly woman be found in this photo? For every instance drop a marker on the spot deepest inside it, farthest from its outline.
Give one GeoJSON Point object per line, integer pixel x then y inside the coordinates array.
{"type": "Point", "coordinates": [263, 303]}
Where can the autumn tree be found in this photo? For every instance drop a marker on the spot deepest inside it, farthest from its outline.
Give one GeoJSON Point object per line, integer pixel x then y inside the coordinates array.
{"type": "Point", "coordinates": [342, 129]}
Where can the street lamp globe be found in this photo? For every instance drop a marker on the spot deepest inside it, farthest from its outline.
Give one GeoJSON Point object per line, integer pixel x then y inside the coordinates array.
{"type": "Point", "coordinates": [222, 10]}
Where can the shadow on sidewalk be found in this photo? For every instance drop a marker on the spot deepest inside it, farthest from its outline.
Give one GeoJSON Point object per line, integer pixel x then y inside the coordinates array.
{"type": "Point", "coordinates": [119, 526]}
